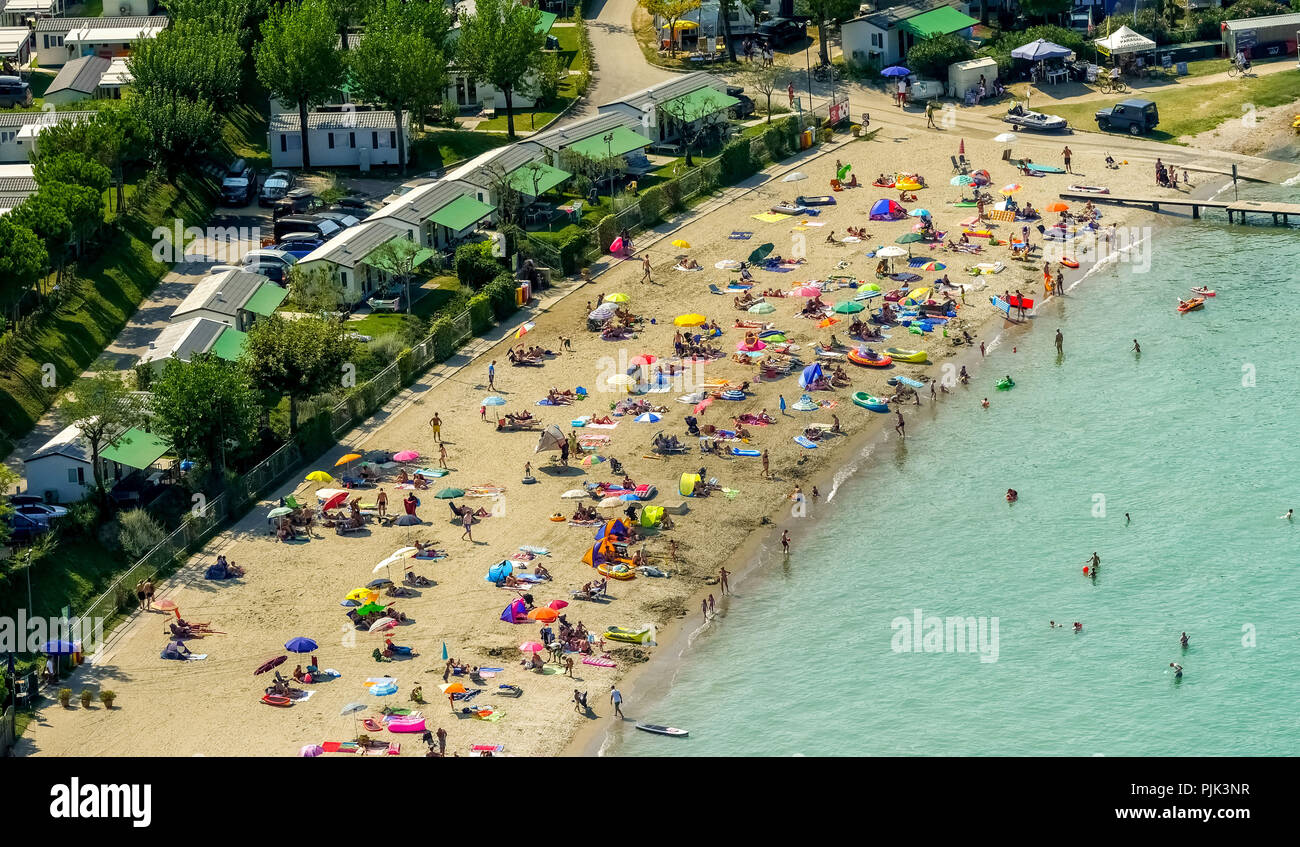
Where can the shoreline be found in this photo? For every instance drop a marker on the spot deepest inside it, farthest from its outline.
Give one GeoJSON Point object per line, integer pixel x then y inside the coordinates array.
{"type": "Point", "coordinates": [749, 561]}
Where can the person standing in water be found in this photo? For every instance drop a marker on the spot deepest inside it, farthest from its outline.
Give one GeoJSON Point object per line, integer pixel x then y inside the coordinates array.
{"type": "Point", "coordinates": [785, 542]}
{"type": "Point", "coordinates": [1127, 519]}
{"type": "Point", "coordinates": [1137, 348]}
{"type": "Point", "coordinates": [1183, 641]}
{"type": "Point", "coordinates": [1060, 342]}
{"type": "Point", "coordinates": [901, 426]}
{"type": "Point", "coordinates": [1178, 670]}
{"type": "Point", "coordinates": [1094, 562]}
{"type": "Point", "coordinates": [1289, 513]}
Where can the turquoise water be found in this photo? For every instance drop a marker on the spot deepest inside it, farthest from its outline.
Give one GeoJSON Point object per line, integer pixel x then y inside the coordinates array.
{"type": "Point", "coordinates": [1203, 463]}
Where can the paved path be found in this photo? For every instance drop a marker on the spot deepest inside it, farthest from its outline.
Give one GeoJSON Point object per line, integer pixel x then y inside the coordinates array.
{"type": "Point", "coordinates": [618, 65]}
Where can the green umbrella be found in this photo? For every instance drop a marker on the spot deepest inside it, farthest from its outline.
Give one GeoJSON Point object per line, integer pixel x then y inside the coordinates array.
{"type": "Point", "coordinates": [449, 494]}
{"type": "Point", "coordinates": [909, 237]}
{"type": "Point", "coordinates": [761, 252]}
{"type": "Point", "coordinates": [774, 338]}
{"type": "Point", "coordinates": [848, 307]}
{"type": "Point", "coordinates": [763, 308]}
{"type": "Point", "coordinates": [370, 607]}
{"type": "Point", "coordinates": [279, 512]}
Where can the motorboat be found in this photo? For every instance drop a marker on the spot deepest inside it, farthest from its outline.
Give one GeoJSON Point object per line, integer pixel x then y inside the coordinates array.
{"type": "Point", "coordinates": [1021, 118]}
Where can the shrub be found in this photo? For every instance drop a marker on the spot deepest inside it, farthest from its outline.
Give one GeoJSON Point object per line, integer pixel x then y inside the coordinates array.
{"type": "Point", "coordinates": [444, 339]}
{"type": "Point", "coordinates": [139, 532]}
{"type": "Point", "coordinates": [673, 195]}
{"type": "Point", "coordinates": [65, 697]}
{"type": "Point", "coordinates": [501, 293]}
{"type": "Point", "coordinates": [107, 697]}
{"type": "Point", "coordinates": [737, 163]}
{"type": "Point", "coordinates": [480, 313]}
{"type": "Point", "coordinates": [475, 266]}
{"type": "Point", "coordinates": [85, 697]}
{"type": "Point", "coordinates": [571, 251]}
{"type": "Point", "coordinates": [932, 56]}
{"type": "Point", "coordinates": [607, 231]}
{"type": "Point", "coordinates": [388, 347]}
{"type": "Point", "coordinates": [652, 206]}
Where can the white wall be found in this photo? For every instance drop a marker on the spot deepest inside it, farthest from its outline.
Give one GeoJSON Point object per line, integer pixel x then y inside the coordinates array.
{"type": "Point", "coordinates": [356, 284]}
{"type": "Point", "coordinates": [135, 8]}
{"type": "Point", "coordinates": [859, 48]}
{"type": "Point", "coordinates": [286, 149]}
{"type": "Point", "coordinates": [460, 93]}
{"type": "Point", "coordinates": [50, 473]}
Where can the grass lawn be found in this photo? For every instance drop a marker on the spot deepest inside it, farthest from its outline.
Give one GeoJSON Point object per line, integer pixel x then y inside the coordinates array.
{"type": "Point", "coordinates": [444, 147]}
{"type": "Point", "coordinates": [76, 572]}
{"type": "Point", "coordinates": [244, 135]}
{"type": "Point", "coordinates": [528, 120]}
{"type": "Point", "coordinates": [383, 323]}
{"type": "Point", "coordinates": [1191, 109]}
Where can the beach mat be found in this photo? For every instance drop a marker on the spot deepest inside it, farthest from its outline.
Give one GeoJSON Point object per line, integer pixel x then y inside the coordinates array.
{"type": "Point", "coordinates": [600, 663]}
{"type": "Point", "coordinates": [737, 235]}
{"type": "Point", "coordinates": [770, 217]}
{"type": "Point", "coordinates": [340, 747]}
{"type": "Point", "coordinates": [1001, 215]}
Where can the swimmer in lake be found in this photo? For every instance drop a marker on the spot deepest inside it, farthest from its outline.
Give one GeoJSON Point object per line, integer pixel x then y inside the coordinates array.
{"type": "Point", "coordinates": [1289, 513]}
{"type": "Point", "coordinates": [1183, 641]}
{"type": "Point", "coordinates": [985, 403]}
{"type": "Point", "coordinates": [1178, 670]}
{"type": "Point", "coordinates": [1012, 495]}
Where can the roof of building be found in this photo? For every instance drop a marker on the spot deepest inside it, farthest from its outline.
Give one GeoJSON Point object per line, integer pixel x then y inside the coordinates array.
{"type": "Point", "coordinates": [17, 184]}
{"type": "Point", "coordinates": [341, 120]}
{"type": "Point", "coordinates": [67, 443]}
{"type": "Point", "coordinates": [13, 37]}
{"type": "Point", "coordinates": [118, 73]}
{"type": "Point", "coordinates": [12, 119]}
{"type": "Point", "coordinates": [82, 75]}
{"type": "Point", "coordinates": [70, 24]}
{"type": "Point", "coordinates": [136, 448]}
{"type": "Point", "coordinates": [16, 6]}
{"type": "Point", "coordinates": [1262, 22]}
{"type": "Point", "coordinates": [565, 136]}
{"type": "Point", "coordinates": [509, 158]}
{"type": "Point", "coordinates": [941, 21]}
{"type": "Point", "coordinates": [671, 89]}
{"type": "Point", "coordinates": [351, 246]}
{"type": "Point", "coordinates": [888, 13]}
{"type": "Point", "coordinates": [225, 293]}
{"type": "Point", "coordinates": [421, 203]}
{"type": "Point", "coordinates": [184, 340]}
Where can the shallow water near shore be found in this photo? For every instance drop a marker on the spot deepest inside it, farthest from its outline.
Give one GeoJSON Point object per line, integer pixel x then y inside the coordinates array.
{"type": "Point", "coordinates": [1195, 439]}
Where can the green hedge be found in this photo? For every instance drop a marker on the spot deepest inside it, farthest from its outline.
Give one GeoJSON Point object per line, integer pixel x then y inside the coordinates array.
{"type": "Point", "coordinates": [444, 337]}
{"type": "Point", "coordinates": [480, 312]}
{"type": "Point", "coordinates": [475, 266]}
{"type": "Point", "coordinates": [606, 231]}
{"type": "Point", "coordinates": [501, 293]}
{"type": "Point", "coordinates": [571, 251]}
{"type": "Point", "coordinates": [737, 163]}
{"type": "Point", "coordinates": [652, 206]}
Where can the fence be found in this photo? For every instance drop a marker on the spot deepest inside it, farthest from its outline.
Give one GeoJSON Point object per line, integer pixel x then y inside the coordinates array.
{"type": "Point", "coordinates": [6, 731]}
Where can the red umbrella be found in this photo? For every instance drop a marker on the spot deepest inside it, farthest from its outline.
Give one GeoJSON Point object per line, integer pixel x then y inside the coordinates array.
{"type": "Point", "coordinates": [644, 359]}
{"type": "Point", "coordinates": [558, 604]}
{"type": "Point", "coordinates": [273, 663]}
{"type": "Point", "coordinates": [336, 500]}
{"type": "Point", "coordinates": [961, 148]}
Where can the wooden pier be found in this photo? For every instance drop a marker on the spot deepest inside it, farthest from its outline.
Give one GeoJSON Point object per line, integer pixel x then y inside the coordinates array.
{"type": "Point", "coordinates": [1237, 210]}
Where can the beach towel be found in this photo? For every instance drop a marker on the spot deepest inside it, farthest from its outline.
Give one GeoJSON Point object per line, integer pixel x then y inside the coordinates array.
{"type": "Point", "coordinates": [339, 746]}
{"type": "Point", "coordinates": [198, 657]}
{"type": "Point", "coordinates": [599, 662]}
{"type": "Point", "coordinates": [591, 425]}
{"type": "Point", "coordinates": [537, 551]}
{"type": "Point", "coordinates": [1001, 215]}
{"type": "Point", "coordinates": [490, 717]}
{"type": "Point", "coordinates": [740, 236]}
{"type": "Point", "coordinates": [770, 217]}
{"type": "Point", "coordinates": [813, 223]}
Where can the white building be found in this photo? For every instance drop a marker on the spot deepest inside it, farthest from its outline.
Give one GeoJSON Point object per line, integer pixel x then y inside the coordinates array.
{"type": "Point", "coordinates": [469, 93]}
{"type": "Point", "coordinates": [662, 109]}
{"type": "Point", "coordinates": [16, 185]}
{"type": "Point", "coordinates": [339, 139]}
{"type": "Point", "coordinates": [60, 40]}
{"type": "Point", "coordinates": [883, 37]}
{"type": "Point", "coordinates": [19, 131]}
{"type": "Point", "coordinates": [345, 258]}
{"type": "Point", "coordinates": [588, 136]}
{"type": "Point", "coordinates": [526, 167]}
{"type": "Point", "coordinates": [709, 18]}
{"type": "Point", "coordinates": [183, 341]}
{"type": "Point", "coordinates": [20, 12]}
{"type": "Point", "coordinates": [233, 298]}
{"type": "Point", "coordinates": [439, 214]}
{"type": "Point", "coordinates": [15, 45]}
{"type": "Point", "coordinates": [90, 77]}
{"type": "Point", "coordinates": [61, 470]}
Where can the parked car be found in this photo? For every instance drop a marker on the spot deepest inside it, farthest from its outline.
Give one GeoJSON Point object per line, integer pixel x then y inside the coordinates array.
{"type": "Point", "coordinates": [323, 228]}
{"type": "Point", "coordinates": [30, 504]}
{"type": "Point", "coordinates": [270, 256]}
{"type": "Point", "coordinates": [240, 185]}
{"type": "Point", "coordinates": [275, 187]}
{"type": "Point", "coordinates": [782, 31]}
{"type": "Point", "coordinates": [297, 200]}
{"type": "Point", "coordinates": [343, 219]}
{"type": "Point", "coordinates": [1133, 116]}
{"type": "Point", "coordinates": [745, 108]}
{"type": "Point", "coordinates": [220, 269]}
{"type": "Point", "coordinates": [25, 528]}
{"type": "Point", "coordinates": [14, 92]}
{"type": "Point", "coordinates": [276, 273]}
{"type": "Point", "coordinates": [299, 244]}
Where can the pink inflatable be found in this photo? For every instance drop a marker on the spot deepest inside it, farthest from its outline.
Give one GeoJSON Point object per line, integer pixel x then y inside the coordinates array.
{"type": "Point", "coordinates": [406, 725]}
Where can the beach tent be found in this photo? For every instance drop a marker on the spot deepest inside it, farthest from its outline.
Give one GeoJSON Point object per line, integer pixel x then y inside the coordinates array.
{"type": "Point", "coordinates": [614, 528]}
{"type": "Point", "coordinates": [516, 612]}
{"type": "Point", "coordinates": [497, 573]}
{"type": "Point", "coordinates": [652, 515]}
{"type": "Point", "coordinates": [1124, 40]}
{"type": "Point", "coordinates": [551, 439]}
{"type": "Point", "coordinates": [885, 209]}
{"type": "Point", "coordinates": [1037, 51]}
{"type": "Point", "coordinates": [981, 177]}
{"type": "Point", "coordinates": [687, 485]}
{"type": "Point", "coordinates": [603, 552]}
{"type": "Point", "coordinates": [811, 374]}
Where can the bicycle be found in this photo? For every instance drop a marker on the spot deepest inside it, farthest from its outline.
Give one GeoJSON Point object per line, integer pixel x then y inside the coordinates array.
{"type": "Point", "coordinates": [1106, 85]}
{"type": "Point", "coordinates": [1236, 69]}
{"type": "Point", "coordinates": [822, 73]}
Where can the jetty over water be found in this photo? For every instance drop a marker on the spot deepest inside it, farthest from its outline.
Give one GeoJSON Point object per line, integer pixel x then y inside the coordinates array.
{"type": "Point", "coordinates": [1238, 210]}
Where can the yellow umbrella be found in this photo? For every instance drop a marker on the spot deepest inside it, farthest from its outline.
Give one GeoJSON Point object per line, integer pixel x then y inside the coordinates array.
{"type": "Point", "coordinates": [359, 594]}
{"type": "Point", "coordinates": [690, 320]}
{"type": "Point", "coordinates": [617, 298]}
{"type": "Point", "coordinates": [319, 476]}
{"type": "Point", "coordinates": [682, 243]}
{"type": "Point", "coordinates": [351, 457]}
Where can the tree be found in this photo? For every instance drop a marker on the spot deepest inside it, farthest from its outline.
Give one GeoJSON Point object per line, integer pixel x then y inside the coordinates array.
{"type": "Point", "coordinates": [102, 407]}
{"type": "Point", "coordinates": [347, 13]}
{"type": "Point", "coordinates": [106, 138]}
{"type": "Point", "coordinates": [176, 128]}
{"type": "Point", "coordinates": [827, 12]}
{"type": "Point", "coordinates": [72, 168]}
{"type": "Point", "coordinates": [197, 59]}
{"type": "Point", "coordinates": [206, 408]}
{"type": "Point", "coordinates": [46, 216]}
{"type": "Point", "coordinates": [501, 44]}
{"type": "Point", "coordinates": [138, 532]}
{"type": "Point", "coordinates": [8, 479]}
{"type": "Point", "coordinates": [932, 56]}
{"type": "Point", "coordinates": [313, 290]}
{"type": "Point", "coordinates": [298, 358]}
{"type": "Point", "coordinates": [689, 117]}
{"type": "Point", "coordinates": [80, 204]}
{"type": "Point", "coordinates": [22, 261]}
{"type": "Point", "coordinates": [672, 11]}
{"type": "Point", "coordinates": [766, 80]}
{"type": "Point", "coordinates": [297, 60]}
{"type": "Point", "coordinates": [398, 258]}
{"type": "Point", "coordinates": [399, 64]}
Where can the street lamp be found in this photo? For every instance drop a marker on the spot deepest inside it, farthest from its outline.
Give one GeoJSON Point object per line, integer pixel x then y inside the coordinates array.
{"type": "Point", "coordinates": [609, 163]}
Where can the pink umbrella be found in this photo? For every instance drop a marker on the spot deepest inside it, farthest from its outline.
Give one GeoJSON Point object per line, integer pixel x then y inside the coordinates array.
{"type": "Point", "coordinates": [406, 456]}
{"type": "Point", "coordinates": [383, 623]}
{"type": "Point", "coordinates": [558, 604]}
{"type": "Point", "coordinates": [531, 647]}
{"type": "Point", "coordinates": [645, 359]}
{"type": "Point", "coordinates": [758, 345]}
{"type": "Point", "coordinates": [807, 291]}
{"type": "Point", "coordinates": [310, 751]}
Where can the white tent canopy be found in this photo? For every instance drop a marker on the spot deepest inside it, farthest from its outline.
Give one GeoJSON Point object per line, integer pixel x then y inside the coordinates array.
{"type": "Point", "coordinates": [1125, 40]}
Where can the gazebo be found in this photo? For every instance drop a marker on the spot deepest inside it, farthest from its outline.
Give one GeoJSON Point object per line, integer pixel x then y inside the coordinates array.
{"type": "Point", "coordinates": [1039, 52]}
{"type": "Point", "coordinates": [1123, 41]}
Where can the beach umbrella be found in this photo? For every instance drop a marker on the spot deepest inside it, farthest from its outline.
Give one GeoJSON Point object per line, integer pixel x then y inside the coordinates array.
{"type": "Point", "coordinates": [349, 458]}
{"type": "Point", "coordinates": [1057, 207]}
{"type": "Point", "coordinates": [1008, 190]}
{"type": "Point", "coordinates": [603, 312]}
{"type": "Point", "coordinates": [621, 381]}
{"type": "Point", "coordinates": [896, 70]}
{"type": "Point", "coordinates": [919, 213]}
{"type": "Point", "coordinates": [764, 308]}
{"type": "Point", "coordinates": [761, 252]}
{"type": "Point", "coordinates": [890, 252]}
{"type": "Point", "coordinates": [165, 604]}
{"type": "Point", "coordinates": [618, 297]}
{"type": "Point", "coordinates": [848, 307]}
{"type": "Point", "coordinates": [319, 476]}
{"type": "Point", "coordinates": [573, 494]}
{"type": "Point", "coordinates": [406, 456]}
{"type": "Point", "coordinates": [494, 400]}
{"type": "Point", "coordinates": [961, 180]}
{"type": "Point", "coordinates": [609, 503]}
{"type": "Point", "coordinates": [794, 176]}
{"type": "Point", "coordinates": [558, 604]}
{"type": "Point", "coordinates": [452, 688]}
{"type": "Point", "coordinates": [689, 320]}
{"type": "Point", "coordinates": [934, 266]}
{"type": "Point", "coordinates": [300, 644]}
{"type": "Point", "coordinates": [524, 328]}
{"type": "Point", "coordinates": [681, 242]}
{"type": "Point", "coordinates": [335, 500]}
{"type": "Point", "coordinates": [379, 583]}
{"type": "Point", "coordinates": [680, 25]}
{"type": "Point", "coordinates": [352, 708]}
{"type": "Point", "coordinates": [592, 459]}
{"type": "Point", "coordinates": [407, 520]}
{"type": "Point", "coordinates": [905, 238]}
{"type": "Point", "coordinates": [649, 417]}
{"type": "Point", "coordinates": [961, 147]}
{"type": "Point", "coordinates": [358, 594]}
{"type": "Point", "coordinates": [807, 291]}
{"type": "Point", "coordinates": [1005, 137]}
{"type": "Point", "coordinates": [279, 511]}
{"type": "Point", "coordinates": [531, 647]}
{"type": "Point", "coordinates": [645, 359]}
{"type": "Point", "coordinates": [383, 624]}
{"type": "Point", "coordinates": [269, 665]}
{"type": "Point", "coordinates": [450, 494]}
{"type": "Point", "coordinates": [444, 651]}
{"type": "Point", "coordinates": [544, 615]}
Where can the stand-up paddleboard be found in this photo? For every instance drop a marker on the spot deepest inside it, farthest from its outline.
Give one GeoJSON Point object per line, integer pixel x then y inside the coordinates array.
{"type": "Point", "coordinates": [662, 730]}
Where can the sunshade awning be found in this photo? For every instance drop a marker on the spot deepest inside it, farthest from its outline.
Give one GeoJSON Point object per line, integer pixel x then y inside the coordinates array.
{"type": "Point", "coordinates": [546, 21]}
{"type": "Point", "coordinates": [622, 140]}
{"type": "Point", "coordinates": [266, 299]}
{"type": "Point", "coordinates": [942, 21]}
{"type": "Point", "coordinates": [137, 449]}
{"type": "Point", "coordinates": [536, 178]}
{"type": "Point", "coordinates": [230, 344]}
{"type": "Point", "coordinates": [699, 103]}
{"type": "Point", "coordinates": [462, 213]}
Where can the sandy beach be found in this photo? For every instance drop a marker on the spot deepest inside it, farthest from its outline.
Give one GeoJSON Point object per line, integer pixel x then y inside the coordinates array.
{"type": "Point", "coordinates": [211, 707]}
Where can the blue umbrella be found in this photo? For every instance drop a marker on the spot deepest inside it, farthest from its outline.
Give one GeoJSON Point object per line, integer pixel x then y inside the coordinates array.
{"type": "Point", "coordinates": [494, 400]}
{"type": "Point", "coordinates": [896, 70]}
{"type": "Point", "coordinates": [55, 648]}
{"type": "Point", "coordinates": [300, 645]}
{"type": "Point", "coordinates": [186, 465]}
{"type": "Point", "coordinates": [649, 417]}
{"type": "Point", "coordinates": [444, 651]}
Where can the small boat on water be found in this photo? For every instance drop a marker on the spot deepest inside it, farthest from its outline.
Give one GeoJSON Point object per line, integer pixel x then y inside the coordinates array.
{"type": "Point", "coordinates": [1191, 305]}
{"type": "Point", "coordinates": [870, 403]}
{"type": "Point", "coordinates": [1204, 292]}
{"type": "Point", "coordinates": [900, 355]}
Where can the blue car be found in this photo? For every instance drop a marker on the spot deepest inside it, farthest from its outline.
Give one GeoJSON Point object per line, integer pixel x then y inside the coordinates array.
{"type": "Point", "coordinates": [299, 247]}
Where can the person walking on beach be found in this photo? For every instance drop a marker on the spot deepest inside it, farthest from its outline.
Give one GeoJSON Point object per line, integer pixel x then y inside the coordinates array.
{"type": "Point", "coordinates": [1060, 342]}
{"type": "Point", "coordinates": [785, 542]}
{"type": "Point", "coordinates": [381, 503]}
{"type": "Point", "coordinates": [704, 607]}
{"type": "Point", "coordinates": [1060, 281]}
{"type": "Point", "coordinates": [645, 268]}
{"type": "Point", "coordinates": [616, 698]}
{"type": "Point", "coordinates": [467, 521]}
{"type": "Point", "coordinates": [929, 115]}
{"type": "Point", "coordinates": [435, 423]}
{"type": "Point", "coordinates": [492, 375]}
{"type": "Point", "coordinates": [712, 610]}
{"type": "Point", "coordinates": [981, 349]}
{"type": "Point", "coordinates": [148, 595]}
{"type": "Point", "coordinates": [722, 580]}
{"type": "Point", "coordinates": [442, 456]}
{"type": "Point", "coordinates": [781, 399]}
{"type": "Point", "coordinates": [1137, 348]}
{"type": "Point", "coordinates": [139, 594]}
{"type": "Point", "coordinates": [901, 426]}
{"type": "Point", "coordinates": [1066, 154]}
{"type": "Point", "coordinates": [568, 666]}
{"type": "Point", "coordinates": [767, 474]}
